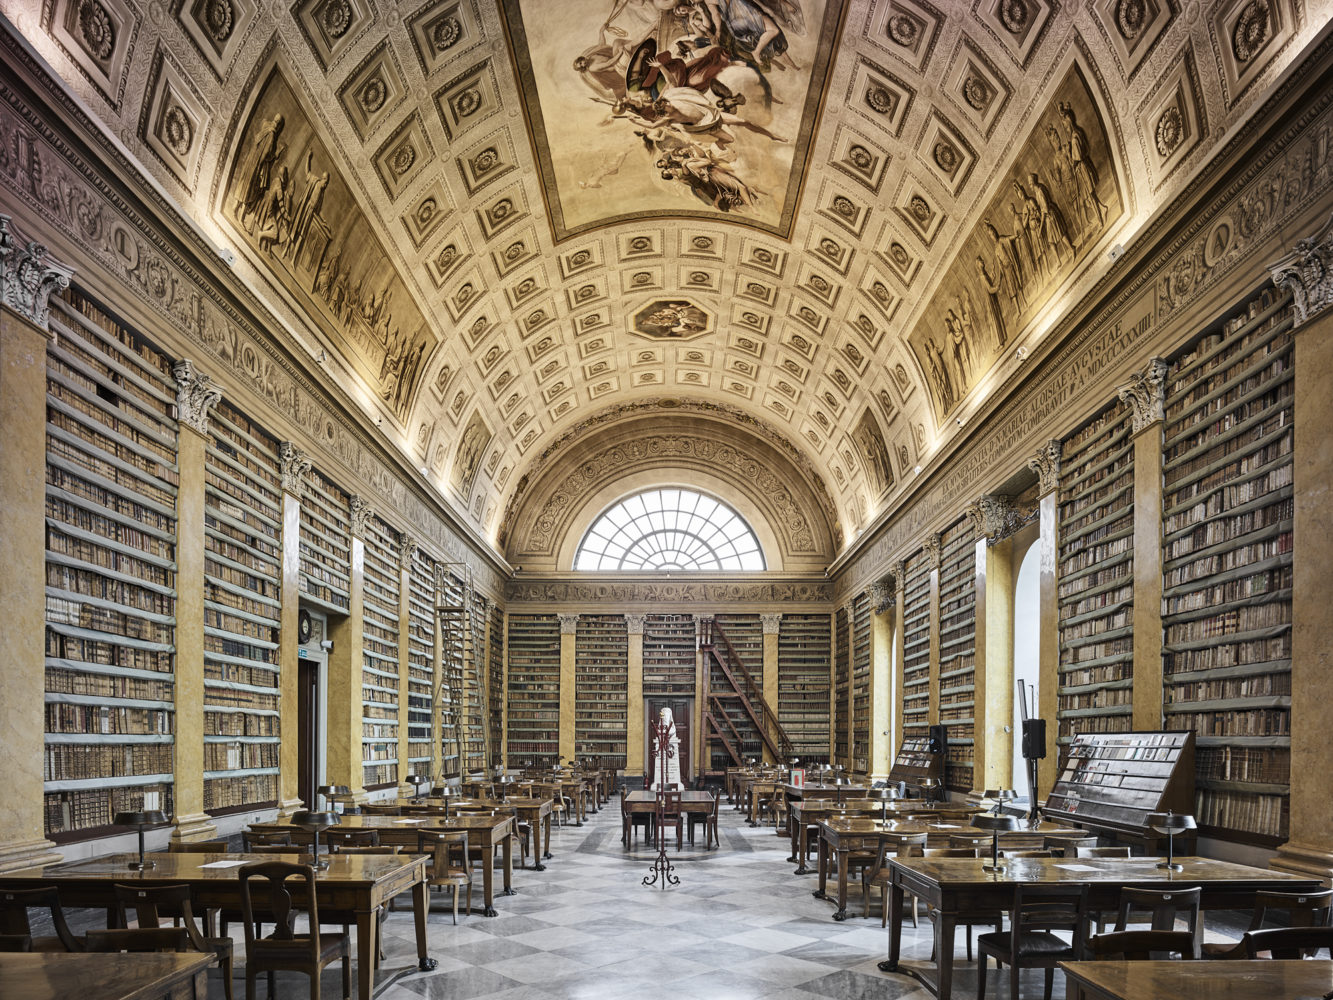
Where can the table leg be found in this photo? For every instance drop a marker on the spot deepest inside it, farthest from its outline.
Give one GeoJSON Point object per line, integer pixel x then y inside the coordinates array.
{"type": "Point", "coordinates": [509, 889]}
{"type": "Point", "coordinates": [488, 881]}
{"type": "Point", "coordinates": [366, 953]}
{"type": "Point", "coordinates": [547, 851]}
{"type": "Point", "coordinates": [841, 912]}
{"type": "Point", "coordinates": [804, 842]}
{"type": "Point", "coordinates": [944, 928]}
{"type": "Point", "coordinates": [823, 869]}
{"type": "Point", "coordinates": [895, 928]}
{"type": "Point", "coordinates": [791, 829]}
{"type": "Point", "coordinates": [420, 907]}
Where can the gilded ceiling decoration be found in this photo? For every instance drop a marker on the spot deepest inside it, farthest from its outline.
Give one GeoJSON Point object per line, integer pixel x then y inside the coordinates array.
{"type": "Point", "coordinates": [495, 222]}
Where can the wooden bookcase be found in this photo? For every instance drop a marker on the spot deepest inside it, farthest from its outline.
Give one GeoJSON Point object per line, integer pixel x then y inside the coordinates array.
{"type": "Point", "coordinates": [1110, 782]}
{"type": "Point", "coordinates": [420, 663]}
{"type": "Point", "coordinates": [842, 681]}
{"type": "Point", "coordinates": [242, 612]}
{"type": "Point", "coordinates": [958, 629]}
{"type": "Point", "coordinates": [1227, 561]}
{"type": "Point", "coordinates": [916, 646]}
{"type": "Point", "coordinates": [380, 681]}
{"type": "Point", "coordinates": [325, 544]}
{"type": "Point", "coordinates": [453, 624]}
{"type": "Point", "coordinates": [495, 680]}
{"type": "Point", "coordinates": [1096, 577]}
{"type": "Point", "coordinates": [745, 633]}
{"type": "Point", "coordinates": [111, 481]}
{"type": "Point", "coordinates": [803, 684]}
{"type": "Point", "coordinates": [601, 689]}
{"type": "Point", "coordinates": [534, 690]}
{"type": "Point", "coordinates": [916, 761]}
{"type": "Point", "coordinates": [475, 690]}
{"type": "Point", "coordinates": [670, 653]}
{"type": "Point", "coordinates": [860, 760]}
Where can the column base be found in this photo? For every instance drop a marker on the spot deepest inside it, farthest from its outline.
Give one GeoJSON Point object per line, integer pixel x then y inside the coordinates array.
{"type": "Point", "coordinates": [28, 854]}
{"type": "Point", "coordinates": [198, 826]}
{"type": "Point", "coordinates": [288, 806]}
{"type": "Point", "coordinates": [1301, 859]}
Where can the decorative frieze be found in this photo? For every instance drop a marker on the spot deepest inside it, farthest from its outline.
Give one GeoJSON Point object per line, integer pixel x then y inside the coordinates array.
{"type": "Point", "coordinates": [28, 274]}
{"type": "Point", "coordinates": [1146, 394]}
{"type": "Point", "coordinates": [195, 395]}
{"type": "Point", "coordinates": [677, 591]}
{"type": "Point", "coordinates": [1307, 272]}
{"type": "Point", "coordinates": [1046, 464]}
{"type": "Point", "coordinates": [295, 465]}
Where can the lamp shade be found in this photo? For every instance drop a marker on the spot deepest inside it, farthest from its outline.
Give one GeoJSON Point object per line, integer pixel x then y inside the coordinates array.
{"type": "Point", "coordinates": [995, 822]}
{"type": "Point", "coordinates": [315, 820]}
{"type": "Point", "coordinates": [1171, 823]}
{"type": "Point", "coordinates": [140, 819]}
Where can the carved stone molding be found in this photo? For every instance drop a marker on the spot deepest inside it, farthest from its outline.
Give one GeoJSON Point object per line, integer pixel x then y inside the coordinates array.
{"type": "Point", "coordinates": [1308, 273]}
{"type": "Point", "coordinates": [360, 513]}
{"type": "Point", "coordinates": [295, 465]}
{"type": "Point", "coordinates": [28, 275]}
{"type": "Point", "coordinates": [1046, 464]}
{"type": "Point", "coordinates": [771, 622]}
{"type": "Point", "coordinates": [634, 624]}
{"type": "Point", "coordinates": [849, 609]}
{"type": "Point", "coordinates": [882, 595]}
{"type": "Point", "coordinates": [550, 591]}
{"type": "Point", "coordinates": [1146, 393]}
{"type": "Point", "coordinates": [407, 548]}
{"type": "Point", "coordinates": [900, 574]}
{"type": "Point", "coordinates": [995, 516]}
{"type": "Point", "coordinates": [569, 624]}
{"type": "Point", "coordinates": [934, 546]}
{"type": "Point", "coordinates": [195, 395]}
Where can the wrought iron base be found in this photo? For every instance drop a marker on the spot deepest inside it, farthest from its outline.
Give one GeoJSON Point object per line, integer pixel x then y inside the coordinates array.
{"type": "Point", "coordinates": [662, 868]}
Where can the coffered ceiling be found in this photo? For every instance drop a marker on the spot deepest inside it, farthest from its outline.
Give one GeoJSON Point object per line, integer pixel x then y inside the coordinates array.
{"type": "Point", "coordinates": [504, 223]}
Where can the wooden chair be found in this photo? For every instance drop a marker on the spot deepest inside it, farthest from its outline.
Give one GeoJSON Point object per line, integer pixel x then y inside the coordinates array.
{"type": "Point", "coordinates": [631, 821]}
{"type": "Point", "coordinates": [1162, 907]}
{"type": "Point", "coordinates": [15, 907]}
{"type": "Point", "coordinates": [338, 839]}
{"type": "Point", "coordinates": [1287, 942]}
{"type": "Point", "coordinates": [709, 821]}
{"type": "Point", "coordinates": [1027, 853]}
{"type": "Point", "coordinates": [15, 942]}
{"type": "Point", "coordinates": [449, 866]}
{"type": "Point", "coordinates": [971, 919]}
{"type": "Point", "coordinates": [977, 840]}
{"type": "Point", "coordinates": [1303, 909]}
{"type": "Point", "coordinates": [1030, 942]}
{"type": "Point", "coordinates": [219, 846]}
{"type": "Point", "coordinates": [379, 809]}
{"type": "Point", "coordinates": [273, 889]}
{"type": "Point", "coordinates": [138, 939]}
{"type": "Point", "coordinates": [877, 875]}
{"type": "Point", "coordinates": [1140, 946]}
{"type": "Point", "coordinates": [669, 812]}
{"type": "Point", "coordinates": [253, 837]}
{"type": "Point", "coordinates": [151, 904]}
{"type": "Point", "coordinates": [1064, 846]}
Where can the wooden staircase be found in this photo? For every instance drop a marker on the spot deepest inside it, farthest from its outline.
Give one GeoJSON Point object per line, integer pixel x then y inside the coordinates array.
{"type": "Point", "coordinates": [735, 712]}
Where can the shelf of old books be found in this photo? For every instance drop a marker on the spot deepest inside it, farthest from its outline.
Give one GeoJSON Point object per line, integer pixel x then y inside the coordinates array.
{"type": "Point", "coordinates": [601, 683]}
{"type": "Point", "coordinates": [534, 690]}
{"type": "Point", "coordinates": [1095, 570]}
{"type": "Point", "coordinates": [420, 662]}
{"type": "Point", "coordinates": [325, 544]}
{"type": "Point", "coordinates": [1227, 564]}
{"type": "Point", "coordinates": [380, 677]}
{"type": "Point", "coordinates": [111, 483]}
{"type": "Point", "coordinates": [242, 611]}
{"type": "Point", "coordinates": [842, 681]}
{"type": "Point", "coordinates": [958, 600]}
{"type": "Point", "coordinates": [453, 622]}
{"type": "Point", "coordinates": [744, 636]}
{"type": "Point", "coordinates": [495, 680]}
{"type": "Point", "coordinates": [803, 684]}
{"type": "Point", "coordinates": [861, 683]}
{"type": "Point", "coordinates": [916, 645]}
{"type": "Point", "coordinates": [670, 653]}
{"type": "Point", "coordinates": [475, 689]}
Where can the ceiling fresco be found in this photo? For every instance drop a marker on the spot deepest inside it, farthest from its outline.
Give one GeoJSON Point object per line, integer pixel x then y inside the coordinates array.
{"type": "Point", "coordinates": [836, 226]}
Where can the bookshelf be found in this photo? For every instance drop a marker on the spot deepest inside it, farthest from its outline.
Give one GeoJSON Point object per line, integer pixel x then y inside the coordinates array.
{"type": "Point", "coordinates": [495, 680]}
{"type": "Point", "coordinates": [1110, 782]}
{"type": "Point", "coordinates": [325, 544]}
{"type": "Point", "coordinates": [380, 678]}
{"type": "Point", "coordinates": [860, 736]}
{"type": "Point", "coordinates": [1227, 567]}
{"type": "Point", "coordinates": [746, 635]}
{"type": "Point", "coordinates": [916, 645]}
{"type": "Point", "coordinates": [601, 689]}
{"type": "Point", "coordinates": [803, 684]}
{"type": "Point", "coordinates": [111, 482]}
{"type": "Point", "coordinates": [670, 651]}
{"type": "Point", "coordinates": [958, 621]}
{"type": "Point", "coordinates": [1095, 567]}
{"type": "Point", "coordinates": [915, 761]}
{"type": "Point", "coordinates": [242, 612]}
{"type": "Point", "coordinates": [420, 662]}
{"type": "Point", "coordinates": [842, 679]}
{"type": "Point", "coordinates": [475, 688]}
{"type": "Point", "coordinates": [534, 690]}
{"type": "Point", "coordinates": [452, 624]}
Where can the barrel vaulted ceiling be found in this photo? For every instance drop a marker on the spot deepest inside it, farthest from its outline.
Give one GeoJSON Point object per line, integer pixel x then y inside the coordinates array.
{"type": "Point", "coordinates": [507, 224]}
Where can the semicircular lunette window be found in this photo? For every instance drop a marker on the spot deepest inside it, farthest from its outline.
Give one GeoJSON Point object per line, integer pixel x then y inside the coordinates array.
{"type": "Point", "coordinates": [669, 529]}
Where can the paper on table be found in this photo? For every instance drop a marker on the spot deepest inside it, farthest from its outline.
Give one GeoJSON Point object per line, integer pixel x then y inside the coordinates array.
{"type": "Point", "coordinates": [409, 821]}
{"type": "Point", "coordinates": [1079, 868]}
{"type": "Point", "coordinates": [224, 864]}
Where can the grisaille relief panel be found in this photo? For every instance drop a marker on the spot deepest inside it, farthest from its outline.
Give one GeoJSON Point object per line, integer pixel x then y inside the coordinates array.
{"type": "Point", "coordinates": [650, 107]}
{"type": "Point", "coordinates": [1059, 197]}
{"type": "Point", "coordinates": [291, 207]}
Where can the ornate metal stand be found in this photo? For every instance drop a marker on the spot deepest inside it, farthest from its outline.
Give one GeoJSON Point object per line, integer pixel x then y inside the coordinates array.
{"type": "Point", "coordinates": [662, 866]}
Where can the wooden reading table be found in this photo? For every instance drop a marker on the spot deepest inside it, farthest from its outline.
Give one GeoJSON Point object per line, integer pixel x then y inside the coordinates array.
{"type": "Point", "coordinates": [1231, 980]}
{"type": "Point", "coordinates": [691, 801]}
{"type": "Point", "coordinates": [839, 836]}
{"type": "Point", "coordinates": [353, 885]}
{"type": "Point", "coordinates": [955, 885]}
{"type": "Point", "coordinates": [536, 811]}
{"type": "Point", "coordinates": [60, 975]}
{"type": "Point", "coordinates": [802, 815]}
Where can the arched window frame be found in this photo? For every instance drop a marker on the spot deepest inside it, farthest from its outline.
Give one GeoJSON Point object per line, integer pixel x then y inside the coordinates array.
{"type": "Point", "coordinates": [669, 528]}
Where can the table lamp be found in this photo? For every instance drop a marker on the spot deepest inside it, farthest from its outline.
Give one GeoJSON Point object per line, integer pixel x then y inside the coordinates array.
{"type": "Point", "coordinates": [885, 796]}
{"type": "Point", "coordinates": [418, 782]}
{"type": "Point", "coordinates": [141, 820]}
{"type": "Point", "coordinates": [444, 793]}
{"type": "Point", "coordinates": [335, 794]}
{"type": "Point", "coordinates": [928, 786]}
{"type": "Point", "coordinates": [314, 822]}
{"type": "Point", "coordinates": [994, 822]}
{"type": "Point", "coordinates": [1171, 823]}
{"type": "Point", "coordinates": [999, 796]}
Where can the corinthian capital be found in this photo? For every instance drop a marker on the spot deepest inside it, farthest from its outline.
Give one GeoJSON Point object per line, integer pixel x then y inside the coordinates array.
{"type": "Point", "coordinates": [28, 275]}
{"type": "Point", "coordinates": [934, 546]}
{"type": "Point", "coordinates": [295, 465]}
{"type": "Point", "coordinates": [569, 624]}
{"type": "Point", "coordinates": [881, 596]}
{"type": "Point", "coordinates": [994, 516]}
{"type": "Point", "coordinates": [1046, 464]}
{"type": "Point", "coordinates": [1146, 393]}
{"type": "Point", "coordinates": [195, 395]}
{"type": "Point", "coordinates": [1308, 273]}
{"type": "Point", "coordinates": [360, 514]}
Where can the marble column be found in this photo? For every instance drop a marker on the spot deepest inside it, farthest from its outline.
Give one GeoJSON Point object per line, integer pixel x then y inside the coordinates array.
{"type": "Point", "coordinates": [1308, 274]}
{"type": "Point", "coordinates": [1046, 464]}
{"type": "Point", "coordinates": [407, 547]}
{"type": "Point", "coordinates": [195, 396]}
{"type": "Point", "coordinates": [849, 698]}
{"type": "Point", "coordinates": [23, 340]}
{"type": "Point", "coordinates": [899, 639]}
{"type": "Point", "coordinates": [770, 624]}
{"type": "Point", "coordinates": [295, 464]}
{"type": "Point", "coordinates": [993, 519]}
{"type": "Point", "coordinates": [634, 700]}
{"type": "Point", "coordinates": [343, 760]}
{"type": "Point", "coordinates": [569, 627]}
{"type": "Point", "coordinates": [883, 693]}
